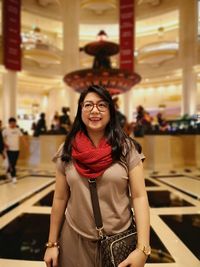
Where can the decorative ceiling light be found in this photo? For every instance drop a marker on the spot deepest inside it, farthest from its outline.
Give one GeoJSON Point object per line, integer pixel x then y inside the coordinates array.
{"type": "Point", "coordinates": [152, 2]}
{"type": "Point", "coordinates": [98, 6]}
{"type": "Point", "coordinates": [45, 3]}
{"type": "Point", "coordinates": [116, 80]}
{"type": "Point", "coordinates": [37, 47]}
{"type": "Point", "coordinates": [157, 53]}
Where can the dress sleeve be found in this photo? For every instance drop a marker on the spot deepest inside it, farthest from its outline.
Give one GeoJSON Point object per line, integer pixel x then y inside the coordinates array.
{"type": "Point", "coordinates": [133, 158]}
{"type": "Point", "coordinates": [60, 165]}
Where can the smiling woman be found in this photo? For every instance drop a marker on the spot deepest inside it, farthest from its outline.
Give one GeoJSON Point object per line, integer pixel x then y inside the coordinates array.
{"type": "Point", "coordinates": [97, 151]}
{"type": "Point", "coordinates": [95, 114]}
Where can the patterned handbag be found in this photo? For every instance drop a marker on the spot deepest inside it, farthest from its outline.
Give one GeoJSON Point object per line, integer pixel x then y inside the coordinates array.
{"type": "Point", "coordinates": [115, 248]}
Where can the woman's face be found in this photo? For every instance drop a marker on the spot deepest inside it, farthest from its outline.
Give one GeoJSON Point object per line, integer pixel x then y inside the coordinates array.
{"type": "Point", "coordinates": [95, 113]}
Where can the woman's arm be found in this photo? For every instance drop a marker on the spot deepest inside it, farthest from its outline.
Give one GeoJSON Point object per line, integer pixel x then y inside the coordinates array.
{"type": "Point", "coordinates": [141, 209]}
{"type": "Point", "coordinates": [140, 204]}
{"type": "Point", "coordinates": [61, 197]}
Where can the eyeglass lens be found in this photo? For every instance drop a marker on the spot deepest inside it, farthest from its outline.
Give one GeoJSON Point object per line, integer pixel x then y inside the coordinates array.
{"type": "Point", "coordinates": [89, 105]}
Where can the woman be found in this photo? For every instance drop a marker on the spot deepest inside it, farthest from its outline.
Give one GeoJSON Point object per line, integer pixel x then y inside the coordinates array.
{"type": "Point", "coordinates": [97, 148]}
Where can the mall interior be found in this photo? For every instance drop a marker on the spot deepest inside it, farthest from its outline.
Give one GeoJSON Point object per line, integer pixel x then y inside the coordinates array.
{"type": "Point", "coordinates": [159, 100]}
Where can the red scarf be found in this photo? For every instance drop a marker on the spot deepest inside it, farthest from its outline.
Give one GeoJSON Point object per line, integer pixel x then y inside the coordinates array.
{"type": "Point", "coordinates": [90, 161]}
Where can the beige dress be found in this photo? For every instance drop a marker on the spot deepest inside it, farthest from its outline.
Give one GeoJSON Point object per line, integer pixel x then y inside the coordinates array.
{"type": "Point", "coordinates": [78, 240]}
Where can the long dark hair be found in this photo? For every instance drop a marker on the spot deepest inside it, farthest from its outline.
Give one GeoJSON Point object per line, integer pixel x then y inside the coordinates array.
{"type": "Point", "coordinates": [114, 134]}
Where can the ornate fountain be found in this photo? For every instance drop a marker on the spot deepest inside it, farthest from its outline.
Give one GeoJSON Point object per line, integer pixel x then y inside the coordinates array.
{"type": "Point", "coordinates": [116, 80]}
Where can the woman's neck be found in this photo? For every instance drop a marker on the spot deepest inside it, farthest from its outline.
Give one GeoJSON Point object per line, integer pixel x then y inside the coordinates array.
{"type": "Point", "coordinates": [95, 137]}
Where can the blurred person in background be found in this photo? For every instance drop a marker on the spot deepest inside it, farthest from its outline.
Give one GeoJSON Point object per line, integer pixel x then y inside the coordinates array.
{"type": "Point", "coordinates": [120, 116]}
{"type": "Point", "coordinates": [11, 137]}
{"type": "Point", "coordinates": [55, 121]}
{"type": "Point", "coordinates": [162, 123]}
{"type": "Point", "coordinates": [1, 142]}
{"type": "Point", "coordinates": [65, 121]}
{"type": "Point", "coordinates": [143, 122]}
{"type": "Point", "coordinates": [40, 126]}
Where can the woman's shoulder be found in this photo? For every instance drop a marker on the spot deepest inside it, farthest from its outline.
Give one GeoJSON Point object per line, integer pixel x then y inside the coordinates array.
{"type": "Point", "coordinates": [128, 145]}
{"type": "Point", "coordinates": [133, 149]}
{"type": "Point", "coordinates": [58, 153]}
{"type": "Point", "coordinates": [57, 159]}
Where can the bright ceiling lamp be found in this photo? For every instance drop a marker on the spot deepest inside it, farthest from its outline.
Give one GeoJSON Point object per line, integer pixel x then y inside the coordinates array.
{"type": "Point", "coordinates": [37, 47]}
{"type": "Point", "coordinates": [157, 53]}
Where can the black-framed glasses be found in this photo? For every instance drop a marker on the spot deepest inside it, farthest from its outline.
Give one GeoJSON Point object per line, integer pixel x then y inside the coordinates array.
{"type": "Point", "coordinates": [101, 105]}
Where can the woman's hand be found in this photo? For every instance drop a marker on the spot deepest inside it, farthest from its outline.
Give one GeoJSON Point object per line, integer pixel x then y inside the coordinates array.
{"type": "Point", "coordinates": [51, 257]}
{"type": "Point", "coordinates": [135, 259]}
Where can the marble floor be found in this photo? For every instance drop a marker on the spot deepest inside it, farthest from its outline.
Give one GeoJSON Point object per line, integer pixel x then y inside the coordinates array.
{"type": "Point", "coordinates": [175, 217]}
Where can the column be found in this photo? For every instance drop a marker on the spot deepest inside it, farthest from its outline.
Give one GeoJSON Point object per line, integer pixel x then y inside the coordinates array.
{"type": "Point", "coordinates": [188, 54]}
{"type": "Point", "coordinates": [9, 96]}
{"type": "Point", "coordinates": [70, 14]}
{"type": "Point", "coordinates": [128, 105]}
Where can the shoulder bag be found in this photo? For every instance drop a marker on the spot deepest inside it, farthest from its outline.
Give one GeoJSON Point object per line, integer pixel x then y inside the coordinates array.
{"type": "Point", "coordinates": [114, 248]}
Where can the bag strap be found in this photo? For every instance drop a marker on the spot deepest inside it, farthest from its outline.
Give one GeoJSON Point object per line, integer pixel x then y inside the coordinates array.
{"type": "Point", "coordinates": [96, 207]}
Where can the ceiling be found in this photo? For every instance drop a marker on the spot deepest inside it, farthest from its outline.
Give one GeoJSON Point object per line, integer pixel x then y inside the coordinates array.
{"type": "Point", "coordinates": [46, 15]}
{"type": "Point", "coordinates": [90, 27]}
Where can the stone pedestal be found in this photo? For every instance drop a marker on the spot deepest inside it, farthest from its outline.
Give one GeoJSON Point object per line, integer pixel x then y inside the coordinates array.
{"type": "Point", "coordinates": [158, 152]}
{"type": "Point", "coordinates": [34, 158]}
{"type": "Point", "coordinates": [177, 151]}
{"type": "Point", "coordinates": [189, 150]}
{"type": "Point", "coordinates": [40, 150]}
{"type": "Point", "coordinates": [197, 150]}
{"type": "Point", "coordinates": [24, 154]}
{"type": "Point", "coordinates": [49, 145]}
{"type": "Point", "coordinates": [162, 152]}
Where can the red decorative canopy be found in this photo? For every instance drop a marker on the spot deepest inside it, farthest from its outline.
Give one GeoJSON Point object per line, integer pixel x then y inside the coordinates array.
{"type": "Point", "coordinates": [115, 80]}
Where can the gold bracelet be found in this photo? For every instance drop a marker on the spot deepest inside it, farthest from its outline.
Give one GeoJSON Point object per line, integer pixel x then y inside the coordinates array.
{"type": "Point", "coordinates": [52, 245]}
{"type": "Point", "coordinates": [145, 249]}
